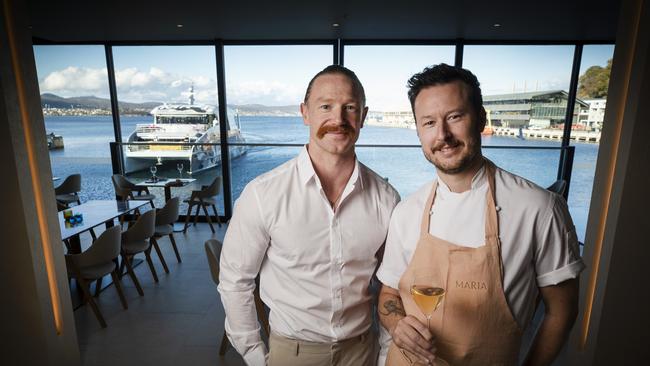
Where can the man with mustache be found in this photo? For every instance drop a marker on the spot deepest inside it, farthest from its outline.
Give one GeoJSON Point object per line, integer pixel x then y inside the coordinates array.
{"type": "Point", "coordinates": [312, 229]}
{"type": "Point", "coordinates": [493, 241]}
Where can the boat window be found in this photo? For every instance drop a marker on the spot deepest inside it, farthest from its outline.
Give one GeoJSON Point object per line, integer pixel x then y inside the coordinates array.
{"type": "Point", "coordinates": [182, 120]}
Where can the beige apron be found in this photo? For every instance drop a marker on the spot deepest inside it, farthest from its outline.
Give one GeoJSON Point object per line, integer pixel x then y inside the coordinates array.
{"type": "Point", "coordinates": [473, 324]}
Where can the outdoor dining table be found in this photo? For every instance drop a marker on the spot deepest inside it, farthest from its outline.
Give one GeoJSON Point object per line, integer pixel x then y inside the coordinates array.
{"type": "Point", "coordinates": [167, 184]}
{"type": "Point", "coordinates": [94, 214]}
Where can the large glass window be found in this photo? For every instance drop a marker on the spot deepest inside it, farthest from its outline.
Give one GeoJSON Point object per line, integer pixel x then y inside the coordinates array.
{"type": "Point", "coordinates": [593, 84]}
{"type": "Point", "coordinates": [264, 88]}
{"type": "Point", "coordinates": [384, 71]}
{"type": "Point", "coordinates": [525, 95]}
{"type": "Point", "coordinates": [168, 95]}
{"type": "Point", "coordinates": [76, 106]}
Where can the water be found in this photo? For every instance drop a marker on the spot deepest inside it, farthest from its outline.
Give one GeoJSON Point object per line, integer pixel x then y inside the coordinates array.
{"type": "Point", "coordinates": [87, 152]}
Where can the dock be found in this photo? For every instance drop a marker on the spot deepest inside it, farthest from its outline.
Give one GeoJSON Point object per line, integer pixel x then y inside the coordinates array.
{"type": "Point", "coordinates": [547, 134]}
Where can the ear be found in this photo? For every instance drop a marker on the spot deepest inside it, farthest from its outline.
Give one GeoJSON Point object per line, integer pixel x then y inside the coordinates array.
{"type": "Point", "coordinates": [482, 119]}
{"type": "Point", "coordinates": [303, 111]}
{"type": "Point", "coordinates": [364, 113]}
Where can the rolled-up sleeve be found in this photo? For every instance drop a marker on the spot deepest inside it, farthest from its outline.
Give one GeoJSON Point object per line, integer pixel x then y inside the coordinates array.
{"type": "Point", "coordinates": [557, 255]}
{"type": "Point", "coordinates": [244, 248]}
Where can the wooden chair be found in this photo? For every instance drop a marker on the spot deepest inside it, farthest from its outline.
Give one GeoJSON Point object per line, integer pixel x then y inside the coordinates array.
{"type": "Point", "coordinates": [202, 199]}
{"type": "Point", "coordinates": [124, 189]}
{"type": "Point", "coordinates": [137, 240]}
{"type": "Point", "coordinates": [67, 192]}
{"type": "Point", "coordinates": [96, 262]}
{"type": "Point", "coordinates": [213, 252]}
{"type": "Point", "coordinates": [165, 219]}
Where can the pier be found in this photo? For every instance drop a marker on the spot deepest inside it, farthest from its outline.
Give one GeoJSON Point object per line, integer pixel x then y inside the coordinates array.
{"type": "Point", "coordinates": [583, 136]}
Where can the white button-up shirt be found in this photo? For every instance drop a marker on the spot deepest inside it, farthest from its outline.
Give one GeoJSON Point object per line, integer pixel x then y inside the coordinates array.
{"type": "Point", "coordinates": [315, 263]}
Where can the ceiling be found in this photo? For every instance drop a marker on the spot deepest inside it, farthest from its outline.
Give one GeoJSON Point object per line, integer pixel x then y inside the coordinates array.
{"type": "Point", "coordinates": [202, 20]}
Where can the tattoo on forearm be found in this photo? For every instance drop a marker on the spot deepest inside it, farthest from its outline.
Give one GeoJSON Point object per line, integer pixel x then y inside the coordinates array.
{"type": "Point", "coordinates": [393, 307]}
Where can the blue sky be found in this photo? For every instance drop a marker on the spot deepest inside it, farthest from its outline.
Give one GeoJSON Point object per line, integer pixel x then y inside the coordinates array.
{"type": "Point", "coordinates": [278, 75]}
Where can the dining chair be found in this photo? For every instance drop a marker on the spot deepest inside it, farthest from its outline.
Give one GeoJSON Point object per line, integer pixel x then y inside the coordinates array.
{"type": "Point", "coordinates": [135, 240]}
{"type": "Point", "coordinates": [559, 186]}
{"type": "Point", "coordinates": [67, 192]}
{"type": "Point", "coordinates": [165, 219]}
{"type": "Point", "coordinates": [213, 252]}
{"type": "Point", "coordinates": [96, 262]}
{"type": "Point", "coordinates": [202, 199]}
{"type": "Point", "coordinates": [124, 190]}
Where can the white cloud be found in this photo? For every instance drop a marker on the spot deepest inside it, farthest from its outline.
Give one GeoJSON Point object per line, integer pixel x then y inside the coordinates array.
{"type": "Point", "coordinates": [76, 81]}
{"type": "Point", "coordinates": [134, 85]}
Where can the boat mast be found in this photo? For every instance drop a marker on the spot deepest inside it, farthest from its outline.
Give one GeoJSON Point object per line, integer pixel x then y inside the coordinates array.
{"type": "Point", "coordinates": [192, 94]}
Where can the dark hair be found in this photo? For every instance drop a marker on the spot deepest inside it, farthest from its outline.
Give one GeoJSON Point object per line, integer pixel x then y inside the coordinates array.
{"type": "Point", "coordinates": [444, 74]}
{"type": "Point", "coordinates": [338, 69]}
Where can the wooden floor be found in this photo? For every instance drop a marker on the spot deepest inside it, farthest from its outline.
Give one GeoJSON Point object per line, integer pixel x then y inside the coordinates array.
{"type": "Point", "coordinates": [178, 321]}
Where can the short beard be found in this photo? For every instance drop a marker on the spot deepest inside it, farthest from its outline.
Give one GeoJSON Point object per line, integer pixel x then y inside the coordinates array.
{"type": "Point", "coordinates": [465, 163]}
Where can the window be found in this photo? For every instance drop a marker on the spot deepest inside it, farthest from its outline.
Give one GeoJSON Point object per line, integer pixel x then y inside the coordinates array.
{"type": "Point", "coordinates": [593, 84]}
{"type": "Point", "coordinates": [76, 106]}
{"type": "Point", "coordinates": [264, 88]}
{"type": "Point", "coordinates": [168, 94]}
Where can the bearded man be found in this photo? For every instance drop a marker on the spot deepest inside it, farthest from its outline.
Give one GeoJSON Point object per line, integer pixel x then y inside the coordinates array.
{"type": "Point", "coordinates": [489, 243]}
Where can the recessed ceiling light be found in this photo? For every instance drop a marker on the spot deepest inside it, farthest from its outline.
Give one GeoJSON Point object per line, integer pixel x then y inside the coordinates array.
{"type": "Point", "coordinates": [336, 25]}
{"type": "Point", "coordinates": [496, 25]}
{"type": "Point", "coordinates": [179, 26]}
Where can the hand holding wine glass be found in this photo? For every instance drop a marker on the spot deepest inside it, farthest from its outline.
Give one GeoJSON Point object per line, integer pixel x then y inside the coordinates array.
{"type": "Point", "coordinates": [427, 294]}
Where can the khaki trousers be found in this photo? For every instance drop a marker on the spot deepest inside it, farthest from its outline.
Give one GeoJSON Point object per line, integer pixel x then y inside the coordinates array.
{"type": "Point", "coordinates": [356, 351]}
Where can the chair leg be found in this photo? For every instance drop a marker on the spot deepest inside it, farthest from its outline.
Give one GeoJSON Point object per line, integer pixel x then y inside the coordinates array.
{"type": "Point", "coordinates": [207, 215]}
{"type": "Point", "coordinates": [216, 214]}
{"type": "Point", "coordinates": [92, 234]}
{"type": "Point", "coordinates": [98, 286]}
{"type": "Point", "coordinates": [129, 269]}
{"type": "Point", "coordinates": [187, 217]}
{"type": "Point", "coordinates": [178, 256]}
{"type": "Point", "coordinates": [196, 214]}
{"type": "Point", "coordinates": [147, 254]}
{"type": "Point", "coordinates": [154, 243]}
{"type": "Point", "coordinates": [88, 297]}
{"type": "Point", "coordinates": [152, 205]}
{"type": "Point", "coordinates": [224, 344]}
{"type": "Point", "coordinates": [118, 287]}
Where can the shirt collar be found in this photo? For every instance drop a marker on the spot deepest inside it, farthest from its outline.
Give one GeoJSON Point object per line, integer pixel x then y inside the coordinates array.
{"type": "Point", "coordinates": [478, 180]}
{"type": "Point", "coordinates": [306, 170]}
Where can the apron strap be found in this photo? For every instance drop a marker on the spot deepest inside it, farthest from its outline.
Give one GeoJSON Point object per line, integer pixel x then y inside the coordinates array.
{"type": "Point", "coordinates": [426, 215]}
{"type": "Point", "coordinates": [491, 216]}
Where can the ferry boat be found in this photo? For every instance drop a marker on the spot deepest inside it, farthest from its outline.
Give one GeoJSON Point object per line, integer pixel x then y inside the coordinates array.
{"type": "Point", "coordinates": [186, 123]}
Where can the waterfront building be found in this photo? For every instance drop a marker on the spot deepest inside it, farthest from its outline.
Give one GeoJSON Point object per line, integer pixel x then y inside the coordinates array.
{"type": "Point", "coordinates": [593, 117]}
{"type": "Point", "coordinates": [540, 109]}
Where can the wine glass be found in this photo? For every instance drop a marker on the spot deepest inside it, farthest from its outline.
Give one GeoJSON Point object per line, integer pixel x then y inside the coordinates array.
{"type": "Point", "coordinates": [427, 294]}
{"type": "Point", "coordinates": [153, 169]}
{"type": "Point", "coordinates": [179, 166]}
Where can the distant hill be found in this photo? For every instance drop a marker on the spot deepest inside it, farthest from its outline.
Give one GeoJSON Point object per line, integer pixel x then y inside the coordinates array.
{"type": "Point", "coordinates": [91, 102]}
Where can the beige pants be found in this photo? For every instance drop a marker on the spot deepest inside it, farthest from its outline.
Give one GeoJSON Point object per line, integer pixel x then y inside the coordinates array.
{"type": "Point", "coordinates": [356, 351]}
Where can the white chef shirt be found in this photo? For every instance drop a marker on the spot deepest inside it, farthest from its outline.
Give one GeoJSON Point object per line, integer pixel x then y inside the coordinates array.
{"type": "Point", "coordinates": [315, 264]}
{"type": "Point", "coordinates": [539, 246]}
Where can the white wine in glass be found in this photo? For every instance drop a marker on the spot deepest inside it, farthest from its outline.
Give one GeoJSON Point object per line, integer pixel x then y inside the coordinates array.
{"type": "Point", "coordinates": [427, 297]}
